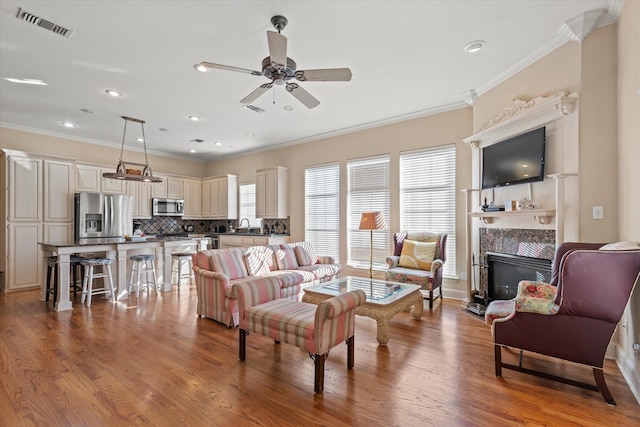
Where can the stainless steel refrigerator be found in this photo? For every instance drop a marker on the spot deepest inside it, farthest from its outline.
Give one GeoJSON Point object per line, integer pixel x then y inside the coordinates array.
{"type": "Point", "coordinates": [102, 215]}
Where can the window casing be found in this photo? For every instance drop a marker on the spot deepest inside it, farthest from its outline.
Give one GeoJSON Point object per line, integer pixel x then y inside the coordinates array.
{"type": "Point", "coordinates": [368, 184]}
{"type": "Point", "coordinates": [322, 209]}
{"type": "Point", "coordinates": [428, 196]}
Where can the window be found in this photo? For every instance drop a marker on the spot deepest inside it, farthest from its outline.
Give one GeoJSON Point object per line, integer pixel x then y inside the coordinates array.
{"type": "Point", "coordinates": [368, 192]}
{"type": "Point", "coordinates": [248, 205]}
{"type": "Point", "coordinates": [428, 195]}
{"type": "Point", "coordinates": [322, 209]}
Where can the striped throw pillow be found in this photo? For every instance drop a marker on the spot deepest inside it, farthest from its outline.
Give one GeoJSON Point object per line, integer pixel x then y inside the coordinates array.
{"type": "Point", "coordinates": [229, 262]}
{"type": "Point", "coordinates": [286, 258]}
{"type": "Point", "coordinates": [305, 254]}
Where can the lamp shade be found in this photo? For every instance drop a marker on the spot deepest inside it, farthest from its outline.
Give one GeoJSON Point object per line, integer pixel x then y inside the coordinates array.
{"type": "Point", "coordinates": [372, 221]}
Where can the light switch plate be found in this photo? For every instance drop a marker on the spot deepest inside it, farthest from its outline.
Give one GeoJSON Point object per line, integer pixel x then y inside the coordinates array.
{"type": "Point", "coordinates": [598, 212]}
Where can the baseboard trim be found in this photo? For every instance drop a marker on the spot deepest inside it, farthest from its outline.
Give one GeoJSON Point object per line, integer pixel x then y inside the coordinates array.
{"type": "Point", "coordinates": [631, 376]}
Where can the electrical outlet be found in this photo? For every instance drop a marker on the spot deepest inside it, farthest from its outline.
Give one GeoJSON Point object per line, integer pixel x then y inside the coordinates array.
{"type": "Point", "coordinates": [463, 275]}
{"type": "Point", "coordinates": [636, 347]}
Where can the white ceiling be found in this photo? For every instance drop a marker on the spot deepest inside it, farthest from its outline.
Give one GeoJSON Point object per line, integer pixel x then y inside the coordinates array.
{"type": "Point", "coordinates": [407, 61]}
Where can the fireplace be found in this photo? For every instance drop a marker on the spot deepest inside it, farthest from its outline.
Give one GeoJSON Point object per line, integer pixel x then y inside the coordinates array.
{"type": "Point", "coordinates": [505, 271]}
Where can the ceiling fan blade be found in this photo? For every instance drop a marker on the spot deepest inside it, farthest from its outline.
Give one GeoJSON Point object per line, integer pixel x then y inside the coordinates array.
{"type": "Point", "coordinates": [302, 95]}
{"type": "Point", "coordinates": [256, 93]}
{"type": "Point", "coordinates": [325, 75]}
{"type": "Point", "coordinates": [277, 48]}
{"type": "Point", "coordinates": [230, 68]}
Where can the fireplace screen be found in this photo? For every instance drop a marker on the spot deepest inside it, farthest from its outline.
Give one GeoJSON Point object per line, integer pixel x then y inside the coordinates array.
{"type": "Point", "coordinates": [506, 271]}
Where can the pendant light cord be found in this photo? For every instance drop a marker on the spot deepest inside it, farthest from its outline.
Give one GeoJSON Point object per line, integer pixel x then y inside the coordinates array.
{"type": "Point", "coordinates": [123, 135]}
{"type": "Point", "coordinates": [144, 144]}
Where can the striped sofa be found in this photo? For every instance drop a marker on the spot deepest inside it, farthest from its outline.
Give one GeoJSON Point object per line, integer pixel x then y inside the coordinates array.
{"type": "Point", "coordinates": [292, 267]}
{"type": "Point", "coordinates": [314, 328]}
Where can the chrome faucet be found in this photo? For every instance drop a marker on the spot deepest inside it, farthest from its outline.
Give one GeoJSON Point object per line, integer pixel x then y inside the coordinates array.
{"type": "Point", "coordinates": [244, 219]}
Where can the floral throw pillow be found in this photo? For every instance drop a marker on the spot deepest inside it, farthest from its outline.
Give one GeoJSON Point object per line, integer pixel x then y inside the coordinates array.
{"type": "Point", "coordinates": [536, 297]}
{"type": "Point", "coordinates": [417, 255]}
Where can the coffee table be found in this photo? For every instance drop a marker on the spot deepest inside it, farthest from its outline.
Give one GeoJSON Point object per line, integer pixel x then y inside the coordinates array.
{"type": "Point", "coordinates": [384, 299]}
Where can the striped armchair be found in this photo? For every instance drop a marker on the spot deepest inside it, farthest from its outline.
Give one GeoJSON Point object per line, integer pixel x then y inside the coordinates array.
{"type": "Point", "coordinates": [315, 329]}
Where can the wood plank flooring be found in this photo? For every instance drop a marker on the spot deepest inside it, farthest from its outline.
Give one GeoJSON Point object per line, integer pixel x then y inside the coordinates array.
{"type": "Point", "coordinates": [153, 362]}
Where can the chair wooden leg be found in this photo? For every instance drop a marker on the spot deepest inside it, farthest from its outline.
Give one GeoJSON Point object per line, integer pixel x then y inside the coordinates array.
{"type": "Point", "coordinates": [243, 343]}
{"type": "Point", "coordinates": [350, 352]}
{"type": "Point", "coordinates": [318, 379]}
{"type": "Point", "coordinates": [598, 374]}
{"type": "Point", "coordinates": [498, 359]}
{"type": "Point", "coordinates": [430, 299]}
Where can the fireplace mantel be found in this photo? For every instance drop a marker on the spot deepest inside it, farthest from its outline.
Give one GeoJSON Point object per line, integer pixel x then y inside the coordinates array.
{"type": "Point", "coordinates": [543, 216]}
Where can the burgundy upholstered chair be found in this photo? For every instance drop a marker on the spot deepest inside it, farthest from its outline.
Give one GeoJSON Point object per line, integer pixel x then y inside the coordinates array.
{"type": "Point", "coordinates": [591, 289]}
{"type": "Point", "coordinates": [430, 279]}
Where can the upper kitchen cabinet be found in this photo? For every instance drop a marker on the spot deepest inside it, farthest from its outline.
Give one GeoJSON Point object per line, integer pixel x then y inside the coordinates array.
{"type": "Point", "coordinates": [192, 192]}
{"type": "Point", "coordinates": [175, 189]}
{"type": "Point", "coordinates": [271, 193]}
{"type": "Point", "coordinates": [141, 193]}
{"type": "Point", "coordinates": [220, 197]}
{"type": "Point", "coordinates": [88, 179]}
{"type": "Point", "coordinates": [24, 188]}
{"type": "Point", "coordinates": [58, 191]}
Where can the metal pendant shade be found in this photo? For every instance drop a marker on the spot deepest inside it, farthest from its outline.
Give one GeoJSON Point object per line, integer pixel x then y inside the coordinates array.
{"type": "Point", "coordinates": [126, 173]}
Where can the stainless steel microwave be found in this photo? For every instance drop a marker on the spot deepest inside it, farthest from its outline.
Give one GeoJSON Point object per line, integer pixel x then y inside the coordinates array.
{"type": "Point", "coordinates": [167, 207]}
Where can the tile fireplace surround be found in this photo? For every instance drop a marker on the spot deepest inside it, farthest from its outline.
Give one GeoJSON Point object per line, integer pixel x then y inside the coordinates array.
{"type": "Point", "coordinates": [514, 241]}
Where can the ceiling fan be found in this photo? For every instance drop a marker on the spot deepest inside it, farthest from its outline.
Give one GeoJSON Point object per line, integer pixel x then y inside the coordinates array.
{"type": "Point", "coordinates": [280, 69]}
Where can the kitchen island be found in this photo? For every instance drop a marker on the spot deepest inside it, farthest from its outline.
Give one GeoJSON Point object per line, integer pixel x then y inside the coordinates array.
{"type": "Point", "coordinates": [118, 250]}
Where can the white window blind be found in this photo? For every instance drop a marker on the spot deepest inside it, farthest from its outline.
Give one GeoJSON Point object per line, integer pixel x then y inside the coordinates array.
{"type": "Point", "coordinates": [368, 192]}
{"type": "Point", "coordinates": [322, 209]}
{"type": "Point", "coordinates": [248, 205]}
{"type": "Point", "coordinates": [428, 196]}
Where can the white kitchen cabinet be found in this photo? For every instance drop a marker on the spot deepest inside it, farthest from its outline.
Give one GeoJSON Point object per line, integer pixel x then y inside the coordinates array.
{"type": "Point", "coordinates": [24, 266]}
{"type": "Point", "coordinates": [140, 191]}
{"type": "Point", "coordinates": [24, 186]}
{"type": "Point", "coordinates": [159, 189]}
{"type": "Point", "coordinates": [58, 232]}
{"type": "Point", "coordinates": [230, 241]}
{"type": "Point", "coordinates": [175, 188]}
{"type": "Point", "coordinates": [271, 193]}
{"type": "Point", "coordinates": [192, 193]}
{"type": "Point", "coordinates": [58, 191]}
{"type": "Point", "coordinates": [221, 198]}
{"type": "Point", "coordinates": [88, 179]}
{"type": "Point", "coordinates": [112, 186]}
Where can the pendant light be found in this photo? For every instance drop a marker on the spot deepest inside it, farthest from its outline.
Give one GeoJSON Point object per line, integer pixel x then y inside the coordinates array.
{"type": "Point", "coordinates": [132, 174]}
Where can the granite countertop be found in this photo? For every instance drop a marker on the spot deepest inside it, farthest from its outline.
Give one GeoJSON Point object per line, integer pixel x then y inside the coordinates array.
{"type": "Point", "coordinates": [118, 240]}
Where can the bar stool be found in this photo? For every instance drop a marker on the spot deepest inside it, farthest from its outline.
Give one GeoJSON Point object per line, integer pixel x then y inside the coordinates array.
{"type": "Point", "coordinates": [178, 259]}
{"type": "Point", "coordinates": [52, 270]}
{"type": "Point", "coordinates": [143, 264]}
{"type": "Point", "coordinates": [89, 275]}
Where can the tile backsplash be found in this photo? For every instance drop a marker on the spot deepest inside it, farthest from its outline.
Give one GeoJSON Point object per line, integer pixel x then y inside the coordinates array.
{"type": "Point", "coordinates": [170, 225]}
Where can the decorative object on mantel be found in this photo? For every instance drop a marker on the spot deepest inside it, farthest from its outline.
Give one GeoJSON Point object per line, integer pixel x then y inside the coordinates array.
{"type": "Point", "coordinates": [520, 116]}
{"type": "Point", "coordinates": [132, 174]}
{"type": "Point", "coordinates": [372, 221]}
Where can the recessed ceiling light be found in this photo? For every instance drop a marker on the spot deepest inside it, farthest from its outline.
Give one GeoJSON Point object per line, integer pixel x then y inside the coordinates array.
{"type": "Point", "coordinates": [194, 118]}
{"type": "Point", "coordinates": [218, 144]}
{"type": "Point", "coordinates": [201, 68]}
{"type": "Point", "coordinates": [192, 151]}
{"type": "Point", "coordinates": [113, 93]}
{"type": "Point", "coordinates": [68, 124]}
{"type": "Point", "coordinates": [474, 46]}
{"type": "Point", "coordinates": [26, 81]}
{"type": "Point", "coordinates": [287, 108]}
{"type": "Point", "coordinates": [249, 134]}
{"type": "Point", "coordinates": [139, 139]}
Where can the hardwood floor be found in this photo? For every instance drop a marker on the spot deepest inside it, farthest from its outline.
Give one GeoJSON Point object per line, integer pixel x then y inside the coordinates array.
{"type": "Point", "coordinates": [153, 362]}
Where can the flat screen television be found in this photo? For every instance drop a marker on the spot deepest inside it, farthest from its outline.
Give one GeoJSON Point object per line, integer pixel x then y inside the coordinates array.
{"type": "Point", "coordinates": [517, 160]}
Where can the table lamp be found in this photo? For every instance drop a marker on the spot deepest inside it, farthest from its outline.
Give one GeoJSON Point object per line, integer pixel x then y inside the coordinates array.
{"type": "Point", "coordinates": [372, 221]}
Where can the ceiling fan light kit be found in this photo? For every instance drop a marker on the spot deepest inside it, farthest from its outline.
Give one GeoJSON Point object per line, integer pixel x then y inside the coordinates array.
{"type": "Point", "coordinates": [123, 172]}
{"type": "Point", "coordinates": [280, 69]}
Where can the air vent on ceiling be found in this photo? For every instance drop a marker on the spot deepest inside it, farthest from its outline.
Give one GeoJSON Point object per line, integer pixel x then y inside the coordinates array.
{"type": "Point", "coordinates": [253, 108]}
{"type": "Point", "coordinates": [40, 22]}
{"type": "Point", "coordinates": [198, 140]}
